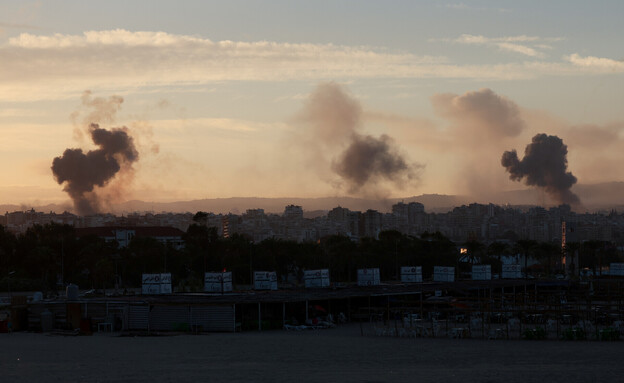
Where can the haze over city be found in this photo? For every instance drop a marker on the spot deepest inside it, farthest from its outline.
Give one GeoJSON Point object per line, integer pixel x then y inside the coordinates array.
{"type": "Point", "coordinates": [296, 190]}
{"type": "Point", "coordinates": [204, 100]}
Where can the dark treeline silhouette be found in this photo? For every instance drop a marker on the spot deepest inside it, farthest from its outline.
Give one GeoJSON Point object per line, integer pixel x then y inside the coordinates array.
{"type": "Point", "coordinates": [47, 257]}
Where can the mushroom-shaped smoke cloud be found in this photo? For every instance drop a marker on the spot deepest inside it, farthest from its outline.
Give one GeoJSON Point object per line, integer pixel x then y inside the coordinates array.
{"type": "Point", "coordinates": [82, 172]}
{"type": "Point", "coordinates": [544, 165]}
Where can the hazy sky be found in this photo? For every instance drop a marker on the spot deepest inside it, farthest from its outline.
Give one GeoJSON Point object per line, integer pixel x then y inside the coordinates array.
{"type": "Point", "coordinates": [308, 98]}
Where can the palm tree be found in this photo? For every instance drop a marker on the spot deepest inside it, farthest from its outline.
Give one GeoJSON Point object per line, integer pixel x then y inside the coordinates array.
{"type": "Point", "coordinates": [526, 248]}
{"type": "Point", "coordinates": [572, 248]}
{"type": "Point", "coordinates": [545, 251]}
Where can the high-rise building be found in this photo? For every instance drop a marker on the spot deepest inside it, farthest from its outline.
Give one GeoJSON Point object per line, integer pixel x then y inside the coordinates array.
{"type": "Point", "coordinates": [293, 212]}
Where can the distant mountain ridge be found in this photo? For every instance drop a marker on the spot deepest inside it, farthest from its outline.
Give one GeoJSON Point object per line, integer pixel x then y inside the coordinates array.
{"type": "Point", "coordinates": [604, 196]}
{"type": "Point", "coordinates": [239, 205]}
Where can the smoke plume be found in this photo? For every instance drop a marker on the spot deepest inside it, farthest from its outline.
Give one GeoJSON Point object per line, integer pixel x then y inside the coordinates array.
{"type": "Point", "coordinates": [333, 114]}
{"type": "Point", "coordinates": [82, 172]}
{"type": "Point", "coordinates": [481, 112]}
{"type": "Point", "coordinates": [368, 159]}
{"type": "Point", "coordinates": [479, 123]}
{"type": "Point", "coordinates": [361, 161]}
{"type": "Point", "coordinates": [544, 165]}
{"type": "Point", "coordinates": [101, 109]}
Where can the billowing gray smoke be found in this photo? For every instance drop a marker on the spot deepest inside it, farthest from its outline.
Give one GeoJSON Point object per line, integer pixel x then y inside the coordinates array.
{"type": "Point", "coordinates": [333, 114]}
{"type": "Point", "coordinates": [367, 158]}
{"type": "Point", "coordinates": [360, 160]}
{"type": "Point", "coordinates": [82, 172]}
{"type": "Point", "coordinates": [482, 113]}
{"type": "Point", "coordinates": [544, 165]}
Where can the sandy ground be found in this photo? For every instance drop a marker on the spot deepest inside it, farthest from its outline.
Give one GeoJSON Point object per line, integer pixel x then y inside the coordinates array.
{"type": "Point", "coordinates": [334, 355]}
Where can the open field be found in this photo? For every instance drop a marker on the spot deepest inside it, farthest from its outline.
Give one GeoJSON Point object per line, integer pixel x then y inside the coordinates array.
{"type": "Point", "coordinates": [340, 354]}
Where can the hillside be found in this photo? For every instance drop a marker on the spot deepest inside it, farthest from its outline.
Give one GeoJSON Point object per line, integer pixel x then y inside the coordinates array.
{"type": "Point", "coordinates": [604, 196]}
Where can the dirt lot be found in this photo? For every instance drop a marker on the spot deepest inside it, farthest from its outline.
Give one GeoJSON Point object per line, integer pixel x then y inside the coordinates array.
{"type": "Point", "coordinates": [340, 355]}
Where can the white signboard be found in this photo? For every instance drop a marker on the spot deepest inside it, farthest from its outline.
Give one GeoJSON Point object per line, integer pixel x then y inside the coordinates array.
{"type": "Point", "coordinates": [368, 277]}
{"type": "Point", "coordinates": [153, 284]}
{"type": "Point", "coordinates": [411, 274]}
{"type": "Point", "coordinates": [616, 269]}
{"type": "Point", "coordinates": [316, 278]}
{"type": "Point", "coordinates": [150, 289]}
{"type": "Point", "coordinates": [481, 272]}
{"type": "Point", "coordinates": [511, 272]}
{"type": "Point", "coordinates": [443, 274]}
{"type": "Point", "coordinates": [265, 280]}
{"type": "Point", "coordinates": [218, 282]}
{"type": "Point", "coordinates": [165, 283]}
{"type": "Point", "coordinates": [150, 279]}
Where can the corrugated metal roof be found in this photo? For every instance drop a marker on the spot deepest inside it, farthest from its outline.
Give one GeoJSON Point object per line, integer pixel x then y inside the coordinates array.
{"type": "Point", "coordinates": [300, 295]}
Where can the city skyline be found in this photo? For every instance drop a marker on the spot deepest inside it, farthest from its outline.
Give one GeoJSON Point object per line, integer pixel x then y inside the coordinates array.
{"type": "Point", "coordinates": [310, 100]}
{"type": "Point", "coordinates": [486, 223]}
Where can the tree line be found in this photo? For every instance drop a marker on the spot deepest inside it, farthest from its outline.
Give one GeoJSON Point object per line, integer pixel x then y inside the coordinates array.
{"type": "Point", "coordinates": [47, 257]}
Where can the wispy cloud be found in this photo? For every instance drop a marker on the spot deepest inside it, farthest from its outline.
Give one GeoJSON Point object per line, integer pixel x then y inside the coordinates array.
{"type": "Point", "coordinates": [214, 124]}
{"type": "Point", "coordinates": [46, 65]}
{"type": "Point", "coordinates": [19, 112]}
{"type": "Point", "coordinates": [18, 26]}
{"type": "Point", "coordinates": [599, 64]}
{"type": "Point", "coordinates": [463, 6]}
{"type": "Point", "coordinates": [35, 67]}
{"type": "Point", "coordinates": [531, 46]}
{"type": "Point", "coordinates": [456, 6]}
{"type": "Point", "coordinates": [522, 49]}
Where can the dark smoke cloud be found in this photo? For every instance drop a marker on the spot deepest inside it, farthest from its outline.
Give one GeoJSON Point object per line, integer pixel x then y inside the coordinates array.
{"type": "Point", "coordinates": [82, 172]}
{"type": "Point", "coordinates": [361, 161]}
{"type": "Point", "coordinates": [544, 165]}
{"type": "Point", "coordinates": [368, 159]}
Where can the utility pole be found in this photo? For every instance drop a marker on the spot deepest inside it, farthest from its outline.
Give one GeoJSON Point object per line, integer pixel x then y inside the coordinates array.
{"type": "Point", "coordinates": [62, 263]}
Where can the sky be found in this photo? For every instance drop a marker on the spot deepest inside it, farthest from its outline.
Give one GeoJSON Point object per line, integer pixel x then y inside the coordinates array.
{"type": "Point", "coordinates": [307, 98]}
